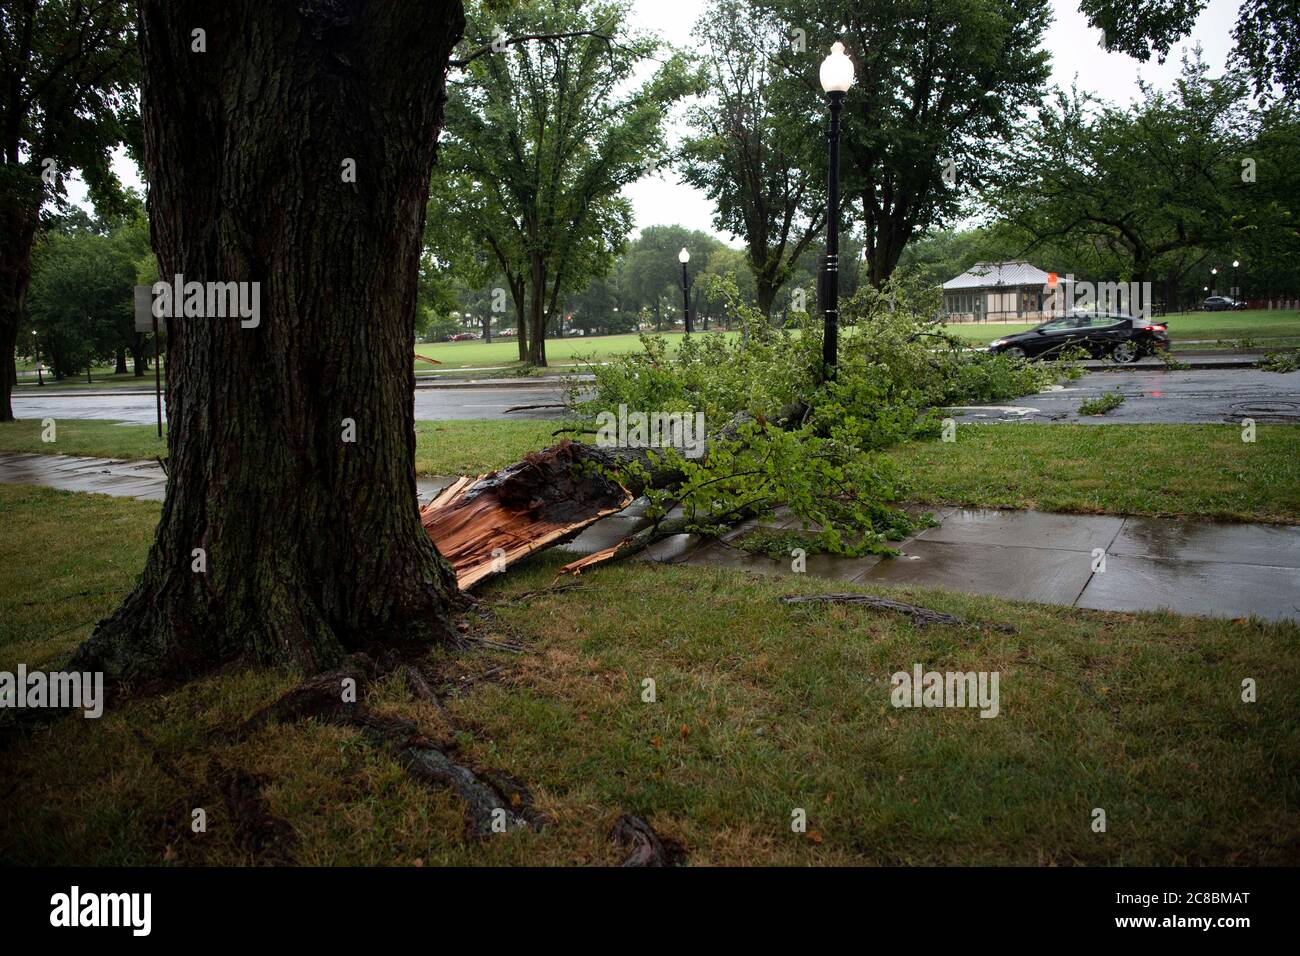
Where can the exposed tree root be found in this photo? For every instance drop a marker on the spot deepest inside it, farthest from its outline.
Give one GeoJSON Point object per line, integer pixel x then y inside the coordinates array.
{"type": "Point", "coordinates": [645, 847]}
{"type": "Point", "coordinates": [921, 616]}
{"type": "Point", "coordinates": [269, 839]}
{"type": "Point", "coordinates": [493, 800]}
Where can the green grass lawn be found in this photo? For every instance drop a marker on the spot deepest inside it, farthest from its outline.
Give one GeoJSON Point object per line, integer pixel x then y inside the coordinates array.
{"type": "Point", "coordinates": [1259, 324]}
{"type": "Point", "coordinates": [442, 448]}
{"type": "Point", "coordinates": [1204, 471]}
{"type": "Point", "coordinates": [761, 708]}
{"type": "Point", "coordinates": [103, 378]}
{"type": "Point", "coordinates": [506, 351]}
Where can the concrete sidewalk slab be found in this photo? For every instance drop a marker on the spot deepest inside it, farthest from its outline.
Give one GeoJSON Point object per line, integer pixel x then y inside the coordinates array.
{"type": "Point", "coordinates": [1042, 575]}
{"type": "Point", "coordinates": [122, 479]}
{"type": "Point", "coordinates": [1191, 567]}
{"type": "Point", "coordinates": [1025, 529]}
{"type": "Point", "coordinates": [1204, 588]}
{"type": "Point", "coordinates": [1256, 544]}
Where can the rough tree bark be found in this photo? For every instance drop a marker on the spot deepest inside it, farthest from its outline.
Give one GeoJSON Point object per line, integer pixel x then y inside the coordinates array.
{"type": "Point", "coordinates": [537, 311]}
{"type": "Point", "coordinates": [17, 233]}
{"type": "Point", "coordinates": [313, 545]}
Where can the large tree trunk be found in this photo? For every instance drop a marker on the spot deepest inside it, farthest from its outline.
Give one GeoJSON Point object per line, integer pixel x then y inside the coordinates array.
{"type": "Point", "coordinates": [537, 308]}
{"type": "Point", "coordinates": [521, 318]}
{"type": "Point", "coordinates": [139, 354]}
{"type": "Point", "coordinates": [313, 544]}
{"type": "Point", "coordinates": [17, 233]}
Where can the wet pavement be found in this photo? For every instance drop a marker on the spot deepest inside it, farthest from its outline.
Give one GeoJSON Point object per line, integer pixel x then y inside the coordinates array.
{"type": "Point", "coordinates": [1198, 396]}
{"type": "Point", "coordinates": [1091, 561]}
{"type": "Point", "coordinates": [1151, 396]}
{"type": "Point", "coordinates": [431, 404]}
{"type": "Point", "coordinates": [122, 479]}
{"type": "Point", "coordinates": [1103, 562]}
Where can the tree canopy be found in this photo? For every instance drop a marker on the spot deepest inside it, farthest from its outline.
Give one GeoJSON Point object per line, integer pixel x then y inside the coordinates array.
{"type": "Point", "coordinates": [545, 131]}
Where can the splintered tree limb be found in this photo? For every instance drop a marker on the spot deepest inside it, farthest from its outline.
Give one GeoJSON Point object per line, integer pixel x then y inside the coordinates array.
{"type": "Point", "coordinates": [921, 616]}
{"type": "Point", "coordinates": [483, 526]}
{"type": "Point", "coordinates": [633, 544]}
{"type": "Point", "coordinates": [636, 543]}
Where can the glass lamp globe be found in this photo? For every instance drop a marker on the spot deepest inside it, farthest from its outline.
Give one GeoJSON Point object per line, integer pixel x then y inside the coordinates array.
{"type": "Point", "coordinates": [837, 70]}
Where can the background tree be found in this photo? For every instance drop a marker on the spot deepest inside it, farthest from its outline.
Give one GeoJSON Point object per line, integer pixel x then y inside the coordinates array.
{"type": "Point", "coordinates": [311, 545]}
{"type": "Point", "coordinates": [1266, 42]}
{"type": "Point", "coordinates": [750, 152]}
{"type": "Point", "coordinates": [652, 276]}
{"type": "Point", "coordinates": [550, 130]}
{"type": "Point", "coordinates": [937, 83]}
{"type": "Point", "coordinates": [1134, 185]}
{"type": "Point", "coordinates": [81, 301]}
{"type": "Point", "coordinates": [67, 73]}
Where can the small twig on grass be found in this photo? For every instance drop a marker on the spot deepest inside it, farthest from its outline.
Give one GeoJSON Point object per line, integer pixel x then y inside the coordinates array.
{"type": "Point", "coordinates": [419, 685]}
{"type": "Point", "coordinates": [529, 595]}
{"type": "Point", "coordinates": [921, 616]}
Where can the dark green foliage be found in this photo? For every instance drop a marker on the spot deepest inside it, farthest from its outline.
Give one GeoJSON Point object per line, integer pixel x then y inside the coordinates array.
{"type": "Point", "coordinates": [779, 436]}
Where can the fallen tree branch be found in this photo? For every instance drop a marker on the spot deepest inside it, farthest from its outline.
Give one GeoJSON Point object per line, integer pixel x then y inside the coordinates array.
{"type": "Point", "coordinates": [529, 408]}
{"type": "Point", "coordinates": [635, 543]}
{"type": "Point", "coordinates": [921, 616]}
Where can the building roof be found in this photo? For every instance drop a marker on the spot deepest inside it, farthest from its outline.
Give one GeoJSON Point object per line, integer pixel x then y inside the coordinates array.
{"type": "Point", "coordinates": [988, 275]}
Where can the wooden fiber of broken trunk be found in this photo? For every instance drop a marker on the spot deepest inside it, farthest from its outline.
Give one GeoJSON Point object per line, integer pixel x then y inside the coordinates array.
{"type": "Point", "coordinates": [485, 525]}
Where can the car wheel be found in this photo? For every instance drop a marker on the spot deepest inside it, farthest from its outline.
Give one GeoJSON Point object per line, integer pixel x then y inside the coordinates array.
{"type": "Point", "coordinates": [1124, 352]}
{"type": "Point", "coordinates": [1013, 351]}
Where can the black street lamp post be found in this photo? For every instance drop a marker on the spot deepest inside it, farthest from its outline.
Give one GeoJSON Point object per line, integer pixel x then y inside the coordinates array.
{"type": "Point", "coordinates": [684, 257]}
{"type": "Point", "coordinates": [836, 78]}
{"type": "Point", "coordinates": [1236, 289]}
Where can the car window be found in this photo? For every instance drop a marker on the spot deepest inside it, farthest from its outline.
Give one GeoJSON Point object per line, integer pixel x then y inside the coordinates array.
{"type": "Point", "coordinates": [1104, 321]}
{"type": "Point", "coordinates": [1057, 325]}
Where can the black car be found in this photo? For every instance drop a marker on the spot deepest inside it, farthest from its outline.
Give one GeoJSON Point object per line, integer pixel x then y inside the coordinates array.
{"type": "Point", "coordinates": [1221, 303]}
{"type": "Point", "coordinates": [1119, 337]}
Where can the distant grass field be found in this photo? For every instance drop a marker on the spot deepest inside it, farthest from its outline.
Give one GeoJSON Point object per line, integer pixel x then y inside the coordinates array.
{"type": "Point", "coordinates": [481, 354]}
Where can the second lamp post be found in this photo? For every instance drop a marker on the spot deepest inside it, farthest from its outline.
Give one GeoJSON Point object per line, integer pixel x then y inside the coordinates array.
{"type": "Point", "coordinates": [836, 77]}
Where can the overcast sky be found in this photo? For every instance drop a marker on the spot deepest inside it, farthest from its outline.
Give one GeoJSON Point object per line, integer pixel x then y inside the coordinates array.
{"type": "Point", "coordinates": [1076, 55]}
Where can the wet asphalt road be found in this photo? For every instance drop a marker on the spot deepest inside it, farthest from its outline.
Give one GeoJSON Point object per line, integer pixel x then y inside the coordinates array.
{"type": "Point", "coordinates": [431, 404]}
{"type": "Point", "coordinates": [1199, 396]}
